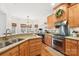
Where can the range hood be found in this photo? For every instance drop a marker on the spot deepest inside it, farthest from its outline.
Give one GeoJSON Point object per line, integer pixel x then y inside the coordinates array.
{"type": "Point", "coordinates": [58, 24]}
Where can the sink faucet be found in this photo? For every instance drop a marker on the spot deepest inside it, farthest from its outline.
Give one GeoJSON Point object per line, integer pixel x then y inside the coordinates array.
{"type": "Point", "coordinates": [7, 32]}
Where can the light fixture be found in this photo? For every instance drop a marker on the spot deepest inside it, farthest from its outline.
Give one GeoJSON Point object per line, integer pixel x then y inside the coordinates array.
{"type": "Point", "coordinates": [27, 19]}
{"type": "Point", "coordinates": [52, 4]}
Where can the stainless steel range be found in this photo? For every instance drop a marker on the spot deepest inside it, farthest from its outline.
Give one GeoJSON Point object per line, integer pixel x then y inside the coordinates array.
{"type": "Point", "coordinates": [58, 39]}
{"type": "Point", "coordinates": [58, 43]}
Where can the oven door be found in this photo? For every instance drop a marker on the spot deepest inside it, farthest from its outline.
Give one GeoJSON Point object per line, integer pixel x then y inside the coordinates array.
{"type": "Point", "coordinates": [58, 45]}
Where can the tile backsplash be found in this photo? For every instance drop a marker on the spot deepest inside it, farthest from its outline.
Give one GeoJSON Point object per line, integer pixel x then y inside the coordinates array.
{"type": "Point", "coordinates": [74, 29]}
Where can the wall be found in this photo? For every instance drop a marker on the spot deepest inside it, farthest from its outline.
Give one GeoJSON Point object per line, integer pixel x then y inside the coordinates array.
{"type": "Point", "coordinates": [2, 22]}
{"type": "Point", "coordinates": [19, 21]}
{"type": "Point", "coordinates": [18, 12]}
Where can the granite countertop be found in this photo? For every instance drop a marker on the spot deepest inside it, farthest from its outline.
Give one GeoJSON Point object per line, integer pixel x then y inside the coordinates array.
{"type": "Point", "coordinates": [71, 37]}
{"type": "Point", "coordinates": [17, 43]}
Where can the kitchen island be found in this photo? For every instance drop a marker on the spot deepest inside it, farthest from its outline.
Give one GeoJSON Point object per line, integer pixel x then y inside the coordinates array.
{"type": "Point", "coordinates": [28, 46]}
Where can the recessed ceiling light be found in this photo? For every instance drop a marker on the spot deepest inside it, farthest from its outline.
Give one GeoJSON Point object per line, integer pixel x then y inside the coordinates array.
{"type": "Point", "coordinates": [52, 4]}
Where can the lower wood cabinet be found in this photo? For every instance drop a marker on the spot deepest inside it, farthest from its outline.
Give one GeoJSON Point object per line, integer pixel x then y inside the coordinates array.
{"type": "Point", "coordinates": [67, 46]}
{"type": "Point", "coordinates": [74, 48]}
{"type": "Point", "coordinates": [30, 47]}
{"type": "Point", "coordinates": [12, 52]}
{"type": "Point", "coordinates": [35, 47]}
{"type": "Point", "coordinates": [71, 47]}
{"type": "Point", "coordinates": [48, 40]}
{"type": "Point", "coordinates": [78, 48]}
{"type": "Point", "coordinates": [23, 49]}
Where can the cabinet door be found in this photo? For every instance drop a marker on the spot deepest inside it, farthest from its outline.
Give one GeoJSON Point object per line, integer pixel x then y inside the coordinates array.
{"type": "Point", "coordinates": [45, 39]}
{"type": "Point", "coordinates": [78, 48]}
{"type": "Point", "coordinates": [73, 48]}
{"type": "Point", "coordinates": [49, 40]}
{"type": "Point", "coordinates": [26, 49]}
{"type": "Point", "coordinates": [35, 47]}
{"type": "Point", "coordinates": [23, 49]}
{"type": "Point", "coordinates": [76, 15]}
{"type": "Point", "coordinates": [71, 17]}
{"type": "Point", "coordinates": [50, 21]}
{"type": "Point", "coordinates": [6, 54]}
{"type": "Point", "coordinates": [14, 51]}
{"type": "Point", "coordinates": [67, 47]}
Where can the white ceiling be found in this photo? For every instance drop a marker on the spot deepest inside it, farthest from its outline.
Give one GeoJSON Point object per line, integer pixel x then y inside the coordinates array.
{"type": "Point", "coordinates": [22, 10]}
{"type": "Point", "coordinates": [35, 11]}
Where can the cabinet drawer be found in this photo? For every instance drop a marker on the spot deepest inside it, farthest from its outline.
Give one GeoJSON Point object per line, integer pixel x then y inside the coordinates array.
{"type": "Point", "coordinates": [34, 48]}
{"type": "Point", "coordinates": [78, 48]}
{"type": "Point", "coordinates": [24, 44]}
{"type": "Point", "coordinates": [15, 54]}
{"type": "Point", "coordinates": [6, 54]}
{"type": "Point", "coordinates": [35, 44]}
{"type": "Point", "coordinates": [37, 52]}
{"type": "Point", "coordinates": [14, 51]}
{"type": "Point", "coordinates": [34, 41]}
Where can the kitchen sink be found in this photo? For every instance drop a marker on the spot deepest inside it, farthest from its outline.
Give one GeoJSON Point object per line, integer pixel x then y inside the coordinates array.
{"type": "Point", "coordinates": [16, 40]}
{"type": "Point", "coordinates": [5, 43]}
{"type": "Point", "coordinates": [9, 42]}
{"type": "Point", "coordinates": [19, 39]}
{"type": "Point", "coordinates": [2, 44]}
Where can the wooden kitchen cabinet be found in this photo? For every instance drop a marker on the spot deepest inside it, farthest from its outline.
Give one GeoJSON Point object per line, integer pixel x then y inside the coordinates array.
{"type": "Point", "coordinates": [35, 47]}
{"type": "Point", "coordinates": [74, 16]}
{"type": "Point", "coordinates": [31, 47]}
{"type": "Point", "coordinates": [71, 17]}
{"type": "Point", "coordinates": [48, 39]}
{"type": "Point", "coordinates": [74, 48]}
{"type": "Point", "coordinates": [67, 47]}
{"type": "Point", "coordinates": [12, 52]}
{"type": "Point", "coordinates": [23, 49]}
{"type": "Point", "coordinates": [51, 21]}
{"type": "Point", "coordinates": [78, 48]}
{"type": "Point", "coordinates": [71, 47]}
{"type": "Point", "coordinates": [64, 16]}
{"type": "Point", "coordinates": [6, 54]}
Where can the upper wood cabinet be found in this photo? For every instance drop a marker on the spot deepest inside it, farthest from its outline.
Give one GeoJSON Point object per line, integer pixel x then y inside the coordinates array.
{"type": "Point", "coordinates": [64, 16]}
{"type": "Point", "coordinates": [50, 21]}
{"type": "Point", "coordinates": [74, 16]}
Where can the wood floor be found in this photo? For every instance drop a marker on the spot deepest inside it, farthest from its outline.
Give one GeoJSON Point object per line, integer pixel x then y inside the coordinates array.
{"type": "Point", "coordinates": [48, 51]}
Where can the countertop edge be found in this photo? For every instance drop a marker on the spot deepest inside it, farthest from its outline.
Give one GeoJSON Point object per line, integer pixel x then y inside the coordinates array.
{"type": "Point", "coordinates": [73, 38]}
{"type": "Point", "coordinates": [2, 50]}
